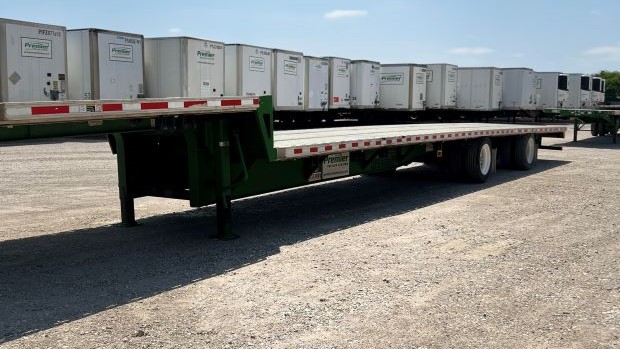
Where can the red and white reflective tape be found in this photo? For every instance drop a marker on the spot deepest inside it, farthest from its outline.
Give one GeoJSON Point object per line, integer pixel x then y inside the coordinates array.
{"type": "Point", "coordinates": [338, 147]}
{"type": "Point", "coordinates": [23, 110]}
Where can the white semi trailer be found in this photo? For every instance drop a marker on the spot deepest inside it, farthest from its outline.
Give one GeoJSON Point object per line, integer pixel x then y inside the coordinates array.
{"type": "Point", "coordinates": [479, 88]}
{"type": "Point", "coordinates": [105, 64]}
{"type": "Point", "coordinates": [441, 81]}
{"type": "Point", "coordinates": [579, 91]}
{"type": "Point", "coordinates": [403, 87]}
{"type": "Point", "coordinates": [183, 67]}
{"type": "Point", "coordinates": [551, 90]}
{"type": "Point", "coordinates": [33, 61]}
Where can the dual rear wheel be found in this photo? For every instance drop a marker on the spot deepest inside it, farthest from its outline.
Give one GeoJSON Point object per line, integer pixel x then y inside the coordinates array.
{"type": "Point", "coordinates": [474, 160]}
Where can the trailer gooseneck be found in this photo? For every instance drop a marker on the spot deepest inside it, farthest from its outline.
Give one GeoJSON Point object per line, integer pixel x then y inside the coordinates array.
{"type": "Point", "coordinates": [215, 150]}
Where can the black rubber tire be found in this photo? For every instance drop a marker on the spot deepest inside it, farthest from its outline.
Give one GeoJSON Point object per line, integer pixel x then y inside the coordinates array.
{"type": "Point", "coordinates": [602, 129]}
{"type": "Point", "coordinates": [472, 171]}
{"type": "Point", "coordinates": [521, 159]}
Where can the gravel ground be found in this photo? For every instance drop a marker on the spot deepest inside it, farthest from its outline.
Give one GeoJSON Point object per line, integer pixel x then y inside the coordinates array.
{"type": "Point", "coordinates": [526, 260]}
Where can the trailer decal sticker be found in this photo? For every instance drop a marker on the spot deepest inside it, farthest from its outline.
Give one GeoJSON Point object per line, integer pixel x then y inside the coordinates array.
{"type": "Point", "coordinates": [392, 78]}
{"type": "Point", "coordinates": [205, 87]}
{"type": "Point", "coordinates": [37, 48]}
{"type": "Point", "coordinates": [419, 80]}
{"type": "Point", "coordinates": [290, 67]}
{"type": "Point", "coordinates": [315, 176]}
{"type": "Point", "coordinates": [452, 76]}
{"type": "Point", "coordinates": [257, 64]}
{"type": "Point", "coordinates": [335, 165]}
{"type": "Point", "coordinates": [341, 70]}
{"type": "Point", "coordinates": [91, 108]}
{"type": "Point", "coordinates": [121, 53]}
{"type": "Point", "coordinates": [14, 78]}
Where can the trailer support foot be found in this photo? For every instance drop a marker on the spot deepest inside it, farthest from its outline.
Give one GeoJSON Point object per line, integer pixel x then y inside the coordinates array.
{"type": "Point", "coordinates": [128, 215]}
{"type": "Point", "coordinates": [224, 219]}
{"type": "Point", "coordinates": [575, 129]}
{"type": "Point", "coordinates": [614, 130]}
{"type": "Point", "coordinates": [223, 181]}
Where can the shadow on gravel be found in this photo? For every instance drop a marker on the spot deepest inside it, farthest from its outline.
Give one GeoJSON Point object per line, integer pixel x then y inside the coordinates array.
{"type": "Point", "coordinates": [593, 142]}
{"type": "Point", "coordinates": [74, 139]}
{"type": "Point", "coordinates": [57, 278]}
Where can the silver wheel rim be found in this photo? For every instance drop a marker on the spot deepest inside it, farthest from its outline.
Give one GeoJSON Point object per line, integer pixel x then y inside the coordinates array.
{"type": "Point", "coordinates": [530, 150]}
{"type": "Point", "coordinates": [485, 159]}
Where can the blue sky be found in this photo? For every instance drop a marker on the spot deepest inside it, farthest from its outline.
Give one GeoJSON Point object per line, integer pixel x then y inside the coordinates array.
{"type": "Point", "coordinates": [561, 35]}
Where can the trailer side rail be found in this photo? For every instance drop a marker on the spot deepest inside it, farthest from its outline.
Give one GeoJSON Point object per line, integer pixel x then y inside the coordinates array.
{"type": "Point", "coordinates": [305, 143]}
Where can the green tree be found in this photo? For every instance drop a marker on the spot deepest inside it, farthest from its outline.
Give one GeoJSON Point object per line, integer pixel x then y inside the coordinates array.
{"type": "Point", "coordinates": [612, 85]}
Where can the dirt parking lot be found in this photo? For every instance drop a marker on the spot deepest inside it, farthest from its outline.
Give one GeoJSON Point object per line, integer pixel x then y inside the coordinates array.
{"type": "Point", "coordinates": [526, 260]}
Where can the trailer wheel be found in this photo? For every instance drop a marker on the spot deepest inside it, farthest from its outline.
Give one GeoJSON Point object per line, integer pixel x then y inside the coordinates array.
{"type": "Point", "coordinates": [525, 152]}
{"type": "Point", "coordinates": [478, 160]}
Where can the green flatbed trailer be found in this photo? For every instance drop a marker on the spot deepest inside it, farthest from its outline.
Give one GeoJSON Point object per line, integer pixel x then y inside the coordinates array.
{"type": "Point", "coordinates": [601, 122]}
{"type": "Point", "coordinates": [213, 151]}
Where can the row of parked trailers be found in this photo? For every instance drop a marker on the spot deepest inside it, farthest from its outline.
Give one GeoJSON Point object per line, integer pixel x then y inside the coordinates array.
{"type": "Point", "coordinates": [44, 62]}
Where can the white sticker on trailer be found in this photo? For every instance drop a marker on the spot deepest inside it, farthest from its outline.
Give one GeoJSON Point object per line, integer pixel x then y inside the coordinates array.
{"type": "Point", "coordinates": [38, 48]}
{"type": "Point", "coordinates": [121, 53]}
{"type": "Point", "coordinates": [336, 165]}
{"type": "Point", "coordinates": [341, 70]}
{"type": "Point", "coordinates": [205, 88]}
{"type": "Point", "coordinates": [290, 67]}
{"type": "Point", "coordinates": [452, 76]}
{"type": "Point", "coordinates": [257, 64]}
